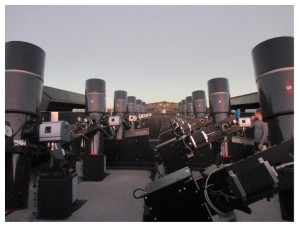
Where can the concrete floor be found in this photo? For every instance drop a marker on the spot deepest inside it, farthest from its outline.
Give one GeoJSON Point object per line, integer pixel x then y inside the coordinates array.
{"type": "Point", "coordinates": [262, 211]}
{"type": "Point", "coordinates": [111, 200]}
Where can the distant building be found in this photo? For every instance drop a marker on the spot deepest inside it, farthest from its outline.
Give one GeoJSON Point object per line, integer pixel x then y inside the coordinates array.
{"type": "Point", "coordinates": [162, 108]}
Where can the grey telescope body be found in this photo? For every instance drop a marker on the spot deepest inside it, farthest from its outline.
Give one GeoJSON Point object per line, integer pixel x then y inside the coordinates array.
{"type": "Point", "coordinates": [219, 98]}
{"type": "Point", "coordinates": [138, 106]}
{"type": "Point", "coordinates": [180, 108]}
{"type": "Point", "coordinates": [184, 109]}
{"type": "Point", "coordinates": [274, 73]}
{"type": "Point", "coordinates": [95, 91]}
{"type": "Point", "coordinates": [120, 106]}
{"type": "Point", "coordinates": [24, 78]}
{"type": "Point", "coordinates": [199, 101]}
{"type": "Point", "coordinates": [120, 101]}
{"type": "Point", "coordinates": [189, 106]}
{"type": "Point", "coordinates": [131, 104]}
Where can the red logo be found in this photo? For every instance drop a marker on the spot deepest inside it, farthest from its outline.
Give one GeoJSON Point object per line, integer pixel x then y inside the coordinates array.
{"type": "Point", "coordinates": [220, 101]}
{"type": "Point", "coordinates": [198, 105]}
{"type": "Point", "coordinates": [92, 101]}
{"type": "Point", "coordinates": [289, 87]}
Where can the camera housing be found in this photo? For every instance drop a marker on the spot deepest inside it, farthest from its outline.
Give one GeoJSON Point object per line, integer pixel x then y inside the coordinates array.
{"type": "Point", "coordinates": [115, 121]}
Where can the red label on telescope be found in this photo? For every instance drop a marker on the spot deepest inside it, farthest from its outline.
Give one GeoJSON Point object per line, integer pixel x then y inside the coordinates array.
{"type": "Point", "coordinates": [289, 87]}
{"type": "Point", "coordinates": [92, 101]}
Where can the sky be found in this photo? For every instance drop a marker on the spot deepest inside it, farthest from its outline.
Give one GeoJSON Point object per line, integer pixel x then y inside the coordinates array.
{"type": "Point", "coordinates": [154, 52]}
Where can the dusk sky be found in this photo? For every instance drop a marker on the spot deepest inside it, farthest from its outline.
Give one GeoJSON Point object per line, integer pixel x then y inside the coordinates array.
{"type": "Point", "coordinates": [156, 53]}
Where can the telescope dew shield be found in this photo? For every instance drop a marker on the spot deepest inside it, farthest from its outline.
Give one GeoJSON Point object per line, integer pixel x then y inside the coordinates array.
{"type": "Point", "coordinates": [189, 106]}
{"type": "Point", "coordinates": [95, 91]}
{"type": "Point", "coordinates": [184, 109]}
{"type": "Point", "coordinates": [219, 98]}
{"type": "Point", "coordinates": [120, 105]}
{"type": "Point", "coordinates": [199, 100]}
{"type": "Point", "coordinates": [180, 108]}
{"type": "Point", "coordinates": [274, 72]}
{"type": "Point", "coordinates": [24, 78]}
{"type": "Point", "coordinates": [131, 104]}
{"type": "Point", "coordinates": [138, 106]}
{"type": "Point", "coordinates": [131, 109]}
{"type": "Point", "coordinates": [120, 101]}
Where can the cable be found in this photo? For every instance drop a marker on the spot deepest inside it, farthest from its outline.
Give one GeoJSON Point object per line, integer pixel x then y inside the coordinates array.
{"type": "Point", "coordinates": [138, 197]}
{"type": "Point", "coordinates": [176, 133]}
{"type": "Point", "coordinates": [282, 166]}
{"type": "Point", "coordinates": [87, 127]}
{"type": "Point", "coordinates": [206, 194]}
{"type": "Point", "coordinates": [151, 147]}
{"type": "Point", "coordinates": [104, 131]}
{"type": "Point", "coordinates": [241, 135]}
{"type": "Point", "coordinates": [217, 191]}
{"type": "Point", "coordinates": [22, 126]}
{"type": "Point", "coordinates": [225, 195]}
{"type": "Point", "coordinates": [201, 126]}
{"type": "Point", "coordinates": [127, 124]}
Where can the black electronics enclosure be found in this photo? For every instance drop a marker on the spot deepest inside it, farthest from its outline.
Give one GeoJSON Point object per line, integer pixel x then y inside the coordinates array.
{"type": "Point", "coordinates": [175, 197]}
{"type": "Point", "coordinates": [54, 197]}
{"type": "Point", "coordinates": [94, 167]}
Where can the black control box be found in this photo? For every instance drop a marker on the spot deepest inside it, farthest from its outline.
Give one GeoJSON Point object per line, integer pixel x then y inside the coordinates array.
{"type": "Point", "coordinates": [175, 197]}
{"type": "Point", "coordinates": [94, 167]}
{"type": "Point", "coordinates": [54, 197]}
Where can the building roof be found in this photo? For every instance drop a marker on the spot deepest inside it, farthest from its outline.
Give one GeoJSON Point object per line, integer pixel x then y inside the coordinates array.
{"type": "Point", "coordinates": [61, 100]}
